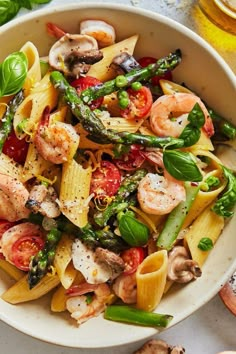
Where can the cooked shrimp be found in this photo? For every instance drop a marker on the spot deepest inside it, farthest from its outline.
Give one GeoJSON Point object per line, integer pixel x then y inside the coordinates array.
{"type": "Point", "coordinates": [82, 310]}
{"type": "Point", "coordinates": [159, 195]}
{"type": "Point", "coordinates": [100, 30]}
{"type": "Point", "coordinates": [43, 200]}
{"type": "Point", "coordinates": [125, 287]}
{"type": "Point", "coordinates": [13, 196]}
{"type": "Point", "coordinates": [54, 30]}
{"type": "Point", "coordinates": [169, 114]}
{"type": "Point", "coordinates": [15, 233]}
{"type": "Point", "coordinates": [56, 142]}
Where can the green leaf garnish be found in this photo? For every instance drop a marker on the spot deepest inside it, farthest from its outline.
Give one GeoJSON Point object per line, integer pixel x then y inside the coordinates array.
{"type": "Point", "coordinates": [205, 244]}
{"type": "Point", "coordinates": [13, 71]}
{"type": "Point", "coordinates": [181, 165]}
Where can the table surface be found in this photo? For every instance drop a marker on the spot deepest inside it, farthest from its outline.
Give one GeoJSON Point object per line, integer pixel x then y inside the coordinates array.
{"type": "Point", "coordinates": [212, 328]}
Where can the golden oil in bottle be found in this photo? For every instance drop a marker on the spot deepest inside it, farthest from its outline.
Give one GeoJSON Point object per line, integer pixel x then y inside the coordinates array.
{"type": "Point", "coordinates": [223, 41]}
{"type": "Point", "coordinates": [221, 12]}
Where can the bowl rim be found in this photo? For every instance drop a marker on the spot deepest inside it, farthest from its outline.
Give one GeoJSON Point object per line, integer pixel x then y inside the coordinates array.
{"type": "Point", "coordinates": [179, 27]}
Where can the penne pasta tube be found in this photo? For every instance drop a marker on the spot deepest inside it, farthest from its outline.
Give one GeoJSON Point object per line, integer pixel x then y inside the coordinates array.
{"type": "Point", "coordinates": [11, 270]}
{"type": "Point", "coordinates": [208, 224]}
{"type": "Point", "coordinates": [102, 69]}
{"type": "Point", "coordinates": [34, 165]}
{"type": "Point", "coordinates": [151, 279]}
{"type": "Point", "coordinates": [202, 200]}
{"type": "Point", "coordinates": [30, 110]}
{"type": "Point", "coordinates": [121, 124]}
{"type": "Point", "coordinates": [59, 297]}
{"type": "Point", "coordinates": [34, 72]}
{"type": "Point", "coordinates": [62, 262]}
{"type": "Point", "coordinates": [9, 167]}
{"type": "Point", "coordinates": [74, 192]}
{"type": "Point", "coordinates": [20, 291]}
{"type": "Point", "coordinates": [58, 302]}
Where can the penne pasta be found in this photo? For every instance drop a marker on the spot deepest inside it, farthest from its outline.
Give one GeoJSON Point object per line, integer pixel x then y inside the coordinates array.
{"type": "Point", "coordinates": [62, 262]}
{"type": "Point", "coordinates": [20, 291]}
{"type": "Point", "coordinates": [30, 110]}
{"type": "Point", "coordinates": [34, 164]}
{"type": "Point", "coordinates": [151, 279]}
{"type": "Point", "coordinates": [58, 302]}
{"type": "Point", "coordinates": [34, 72]}
{"type": "Point", "coordinates": [9, 167]}
{"type": "Point", "coordinates": [74, 192]}
{"type": "Point", "coordinates": [59, 297]}
{"type": "Point", "coordinates": [102, 70]}
{"type": "Point", "coordinates": [208, 224]}
{"type": "Point", "coordinates": [11, 270]}
{"type": "Point", "coordinates": [205, 198]}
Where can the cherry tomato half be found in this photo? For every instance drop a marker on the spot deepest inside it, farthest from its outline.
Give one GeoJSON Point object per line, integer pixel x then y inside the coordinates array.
{"type": "Point", "coordinates": [4, 226]}
{"type": "Point", "coordinates": [83, 83]}
{"type": "Point", "coordinates": [105, 180]}
{"type": "Point", "coordinates": [140, 103]}
{"type": "Point", "coordinates": [132, 258]}
{"type": "Point", "coordinates": [25, 248]}
{"type": "Point", "coordinates": [145, 61]}
{"type": "Point", "coordinates": [132, 160]}
{"type": "Point", "coordinates": [15, 148]}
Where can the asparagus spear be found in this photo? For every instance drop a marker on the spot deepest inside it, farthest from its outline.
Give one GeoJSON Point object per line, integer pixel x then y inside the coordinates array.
{"type": "Point", "coordinates": [6, 122]}
{"type": "Point", "coordinates": [122, 199]}
{"type": "Point", "coordinates": [224, 130]}
{"type": "Point", "coordinates": [96, 129]}
{"type": "Point", "coordinates": [41, 262]}
{"type": "Point", "coordinates": [176, 218]}
{"type": "Point", "coordinates": [144, 74]}
{"type": "Point", "coordinates": [128, 314]}
{"type": "Point", "coordinates": [93, 238]}
{"type": "Point", "coordinates": [102, 238]}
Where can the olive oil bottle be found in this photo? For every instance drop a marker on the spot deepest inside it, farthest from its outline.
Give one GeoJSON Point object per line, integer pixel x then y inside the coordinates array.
{"type": "Point", "coordinates": [221, 12]}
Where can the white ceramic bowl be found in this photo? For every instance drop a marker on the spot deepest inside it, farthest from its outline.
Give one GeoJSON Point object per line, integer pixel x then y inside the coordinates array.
{"type": "Point", "coordinates": [203, 70]}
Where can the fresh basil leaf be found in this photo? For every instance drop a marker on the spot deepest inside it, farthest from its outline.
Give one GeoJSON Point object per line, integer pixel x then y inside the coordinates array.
{"type": "Point", "coordinates": [13, 71]}
{"type": "Point", "coordinates": [27, 4]}
{"type": "Point", "coordinates": [181, 165]}
{"type": "Point", "coordinates": [205, 244]}
{"type": "Point", "coordinates": [190, 135]}
{"type": "Point", "coordinates": [8, 10]}
{"type": "Point", "coordinates": [227, 201]}
{"type": "Point", "coordinates": [133, 231]}
{"type": "Point", "coordinates": [196, 116]}
{"type": "Point", "coordinates": [192, 131]}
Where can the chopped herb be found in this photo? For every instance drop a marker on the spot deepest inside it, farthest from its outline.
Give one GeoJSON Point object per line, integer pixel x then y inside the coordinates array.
{"type": "Point", "coordinates": [205, 244]}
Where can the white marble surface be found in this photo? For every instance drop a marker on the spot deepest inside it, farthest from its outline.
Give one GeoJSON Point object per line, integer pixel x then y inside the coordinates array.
{"type": "Point", "coordinates": [208, 331]}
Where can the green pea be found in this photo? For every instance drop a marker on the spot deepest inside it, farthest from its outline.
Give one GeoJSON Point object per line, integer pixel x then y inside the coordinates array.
{"type": "Point", "coordinates": [122, 94]}
{"type": "Point", "coordinates": [121, 81]}
{"type": "Point", "coordinates": [136, 85]}
{"type": "Point", "coordinates": [123, 103]}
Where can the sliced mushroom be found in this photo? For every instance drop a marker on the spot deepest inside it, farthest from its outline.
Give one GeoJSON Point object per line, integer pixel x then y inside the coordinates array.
{"type": "Point", "coordinates": [42, 200]}
{"type": "Point", "coordinates": [110, 259]}
{"type": "Point", "coordinates": [73, 54]}
{"type": "Point", "coordinates": [227, 155]}
{"type": "Point", "coordinates": [85, 260]}
{"type": "Point", "coordinates": [154, 346]}
{"type": "Point", "coordinates": [181, 268]}
{"type": "Point", "coordinates": [124, 62]}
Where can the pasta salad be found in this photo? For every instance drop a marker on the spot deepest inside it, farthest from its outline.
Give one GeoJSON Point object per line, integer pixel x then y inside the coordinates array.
{"type": "Point", "coordinates": [113, 184]}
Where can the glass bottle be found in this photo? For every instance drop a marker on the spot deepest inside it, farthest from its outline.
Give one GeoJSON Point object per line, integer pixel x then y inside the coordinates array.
{"type": "Point", "coordinates": [221, 12]}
